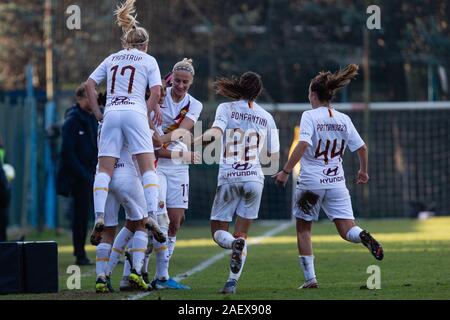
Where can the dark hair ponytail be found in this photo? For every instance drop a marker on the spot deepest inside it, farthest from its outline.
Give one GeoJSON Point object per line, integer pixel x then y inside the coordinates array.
{"type": "Point", "coordinates": [327, 84]}
{"type": "Point", "coordinates": [248, 86]}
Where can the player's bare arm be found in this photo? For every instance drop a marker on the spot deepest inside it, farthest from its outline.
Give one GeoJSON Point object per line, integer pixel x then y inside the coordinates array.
{"type": "Point", "coordinates": [282, 177]}
{"type": "Point", "coordinates": [209, 136]}
{"type": "Point", "coordinates": [363, 177]}
{"type": "Point", "coordinates": [189, 157]}
{"type": "Point", "coordinates": [183, 132]}
{"type": "Point", "coordinates": [92, 96]}
{"type": "Point", "coordinates": [152, 104]}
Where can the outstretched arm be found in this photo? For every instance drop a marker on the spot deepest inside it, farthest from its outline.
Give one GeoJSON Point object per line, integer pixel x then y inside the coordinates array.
{"type": "Point", "coordinates": [209, 136]}
{"type": "Point", "coordinates": [282, 176]}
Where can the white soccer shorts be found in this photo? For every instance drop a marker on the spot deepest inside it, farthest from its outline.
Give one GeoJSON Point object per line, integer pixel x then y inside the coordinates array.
{"type": "Point", "coordinates": [173, 188]}
{"type": "Point", "coordinates": [125, 126]}
{"type": "Point", "coordinates": [125, 190]}
{"type": "Point", "coordinates": [336, 203]}
{"type": "Point", "coordinates": [242, 198]}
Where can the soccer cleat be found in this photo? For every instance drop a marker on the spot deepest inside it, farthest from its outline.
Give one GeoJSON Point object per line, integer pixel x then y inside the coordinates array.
{"type": "Point", "coordinates": [101, 285]}
{"type": "Point", "coordinates": [125, 285]}
{"type": "Point", "coordinates": [236, 255]}
{"type": "Point", "coordinates": [153, 227]}
{"type": "Point", "coordinates": [310, 284]}
{"type": "Point", "coordinates": [372, 244]}
{"type": "Point", "coordinates": [136, 281]}
{"type": "Point", "coordinates": [168, 284]}
{"type": "Point", "coordinates": [96, 234]}
{"type": "Point", "coordinates": [108, 284]}
{"type": "Point", "coordinates": [230, 287]}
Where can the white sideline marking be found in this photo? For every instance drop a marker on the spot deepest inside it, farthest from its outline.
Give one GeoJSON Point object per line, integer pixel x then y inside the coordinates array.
{"type": "Point", "coordinates": [205, 264]}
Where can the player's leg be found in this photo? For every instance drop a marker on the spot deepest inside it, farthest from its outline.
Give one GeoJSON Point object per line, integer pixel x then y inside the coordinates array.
{"type": "Point", "coordinates": [110, 144]}
{"type": "Point", "coordinates": [103, 250]}
{"type": "Point", "coordinates": [127, 266]}
{"type": "Point", "coordinates": [224, 206]}
{"type": "Point", "coordinates": [139, 137]}
{"type": "Point", "coordinates": [247, 210]}
{"type": "Point", "coordinates": [304, 243]}
{"type": "Point", "coordinates": [306, 257]}
{"type": "Point", "coordinates": [176, 184]}
{"type": "Point", "coordinates": [338, 207]}
{"type": "Point", "coordinates": [139, 247]}
{"type": "Point", "coordinates": [177, 201]}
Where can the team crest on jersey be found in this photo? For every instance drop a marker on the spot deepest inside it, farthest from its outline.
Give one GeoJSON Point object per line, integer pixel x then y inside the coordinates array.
{"type": "Point", "coordinates": [178, 119]}
{"type": "Point", "coordinates": [161, 204]}
{"type": "Point", "coordinates": [331, 172]}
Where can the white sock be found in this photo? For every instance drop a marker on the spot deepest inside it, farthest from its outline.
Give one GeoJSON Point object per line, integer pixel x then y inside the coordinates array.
{"type": "Point", "coordinates": [118, 248]}
{"type": "Point", "coordinates": [126, 269]}
{"type": "Point", "coordinates": [101, 185]}
{"type": "Point", "coordinates": [102, 258]}
{"type": "Point", "coordinates": [127, 266]}
{"type": "Point", "coordinates": [162, 257]}
{"type": "Point", "coordinates": [171, 245]}
{"type": "Point", "coordinates": [140, 241]}
{"type": "Point", "coordinates": [236, 276]}
{"type": "Point", "coordinates": [307, 265]}
{"type": "Point", "coordinates": [224, 239]}
{"type": "Point", "coordinates": [150, 182]}
{"type": "Point", "coordinates": [353, 234]}
{"type": "Point", "coordinates": [145, 263]}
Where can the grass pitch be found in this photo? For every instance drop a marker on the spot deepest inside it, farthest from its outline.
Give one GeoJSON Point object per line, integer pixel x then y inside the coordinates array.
{"type": "Point", "coordinates": [416, 265]}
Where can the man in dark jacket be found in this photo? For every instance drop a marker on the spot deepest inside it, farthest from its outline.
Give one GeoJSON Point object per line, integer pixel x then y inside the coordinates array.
{"type": "Point", "coordinates": [76, 170]}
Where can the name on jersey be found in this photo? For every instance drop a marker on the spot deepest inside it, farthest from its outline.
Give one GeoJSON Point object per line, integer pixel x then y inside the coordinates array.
{"type": "Point", "coordinates": [249, 117]}
{"type": "Point", "coordinates": [331, 127]}
{"type": "Point", "coordinates": [130, 57]}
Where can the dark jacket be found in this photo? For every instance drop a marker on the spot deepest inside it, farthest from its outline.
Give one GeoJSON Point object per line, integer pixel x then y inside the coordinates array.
{"type": "Point", "coordinates": [5, 192]}
{"type": "Point", "coordinates": [78, 157]}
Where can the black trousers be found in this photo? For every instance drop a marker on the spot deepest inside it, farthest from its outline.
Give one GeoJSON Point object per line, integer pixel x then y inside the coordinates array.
{"type": "Point", "coordinates": [82, 211]}
{"type": "Point", "coordinates": [3, 223]}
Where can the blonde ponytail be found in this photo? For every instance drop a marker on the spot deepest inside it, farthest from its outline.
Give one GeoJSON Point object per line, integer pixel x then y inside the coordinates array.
{"type": "Point", "coordinates": [125, 15]}
{"type": "Point", "coordinates": [133, 36]}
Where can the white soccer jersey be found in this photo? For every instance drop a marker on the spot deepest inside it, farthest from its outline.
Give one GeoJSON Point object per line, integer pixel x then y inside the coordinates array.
{"type": "Point", "coordinates": [246, 130]}
{"type": "Point", "coordinates": [129, 73]}
{"type": "Point", "coordinates": [328, 132]}
{"type": "Point", "coordinates": [173, 114]}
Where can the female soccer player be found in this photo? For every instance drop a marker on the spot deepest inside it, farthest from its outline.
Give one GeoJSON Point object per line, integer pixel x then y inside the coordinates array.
{"type": "Point", "coordinates": [126, 190]}
{"type": "Point", "coordinates": [180, 111]}
{"type": "Point", "coordinates": [129, 73]}
{"type": "Point", "coordinates": [244, 127]}
{"type": "Point", "coordinates": [324, 135]}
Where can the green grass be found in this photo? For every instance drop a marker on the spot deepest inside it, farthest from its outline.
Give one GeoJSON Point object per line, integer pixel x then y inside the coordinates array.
{"type": "Point", "coordinates": [417, 256]}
